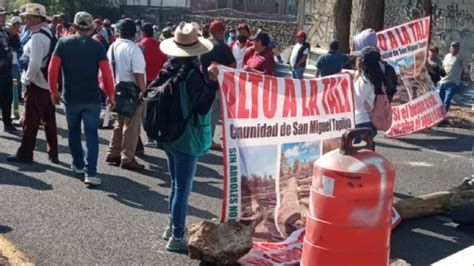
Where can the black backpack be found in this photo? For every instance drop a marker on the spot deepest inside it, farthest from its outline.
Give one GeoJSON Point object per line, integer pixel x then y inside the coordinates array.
{"type": "Point", "coordinates": [47, 58]}
{"type": "Point", "coordinates": [390, 80]}
{"type": "Point", "coordinates": [163, 118]}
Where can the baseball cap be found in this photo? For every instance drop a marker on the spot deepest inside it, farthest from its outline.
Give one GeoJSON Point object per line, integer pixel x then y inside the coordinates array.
{"type": "Point", "coordinates": [216, 25]}
{"type": "Point", "coordinates": [3, 11]}
{"type": "Point", "coordinates": [128, 26]}
{"type": "Point", "coordinates": [83, 20]}
{"type": "Point", "coordinates": [98, 22]}
{"type": "Point", "coordinates": [301, 34]}
{"type": "Point", "coordinates": [15, 20]}
{"type": "Point", "coordinates": [455, 44]}
{"type": "Point", "coordinates": [243, 26]}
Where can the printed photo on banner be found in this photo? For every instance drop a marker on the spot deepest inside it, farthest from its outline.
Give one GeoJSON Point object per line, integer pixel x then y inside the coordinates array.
{"type": "Point", "coordinates": [258, 166]}
{"type": "Point", "coordinates": [296, 172]}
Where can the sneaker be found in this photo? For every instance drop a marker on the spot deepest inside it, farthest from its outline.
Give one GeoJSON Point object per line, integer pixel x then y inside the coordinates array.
{"type": "Point", "coordinates": [77, 171]}
{"type": "Point", "coordinates": [177, 244]}
{"type": "Point", "coordinates": [92, 180]}
{"type": "Point", "coordinates": [168, 233]}
{"type": "Point", "coordinates": [54, 159]}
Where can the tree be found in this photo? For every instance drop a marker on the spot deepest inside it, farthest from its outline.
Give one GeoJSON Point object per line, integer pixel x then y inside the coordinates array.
{"type": "Point", "coordinates": [371, 15]}
{"type": "Point", "coordinates": [342, 24]}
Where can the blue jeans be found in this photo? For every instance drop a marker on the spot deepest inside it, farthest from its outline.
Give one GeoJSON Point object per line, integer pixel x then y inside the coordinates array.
{"type": "Point", "coordinates": [89, 114]}
{"type": "Point", "coordinates": [182, 168]}
{"type": "Point", "coordinates": [298, 73]}
{"type": "Point", "coordinates": [446, 93]}
{"type": "Point", "coordinates": [369, 125]}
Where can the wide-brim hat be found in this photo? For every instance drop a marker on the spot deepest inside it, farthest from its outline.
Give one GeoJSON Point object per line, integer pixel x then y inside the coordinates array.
{"type": "Point", "coordinates": [186, 42]}
{"type": "Point", "coordinates": [35, 10]}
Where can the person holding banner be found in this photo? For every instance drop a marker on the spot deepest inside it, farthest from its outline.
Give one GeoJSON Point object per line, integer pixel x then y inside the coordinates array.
{"type": "Point", "coordinates": [197, 95]}
{"type": "Point", "coordinates": [454, 65]}
{"type": "Point", "coordinates": [262, 61]}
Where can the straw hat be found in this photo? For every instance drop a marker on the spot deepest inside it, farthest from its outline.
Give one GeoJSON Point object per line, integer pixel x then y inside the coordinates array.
{"type": "Point", "coordinates": [186, 42]}
{"type": "Point", "coordinates": [35, 10]}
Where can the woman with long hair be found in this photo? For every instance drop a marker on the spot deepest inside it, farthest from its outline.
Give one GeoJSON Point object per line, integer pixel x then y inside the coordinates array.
{"type": "Point", "coordinates": [368, 84]}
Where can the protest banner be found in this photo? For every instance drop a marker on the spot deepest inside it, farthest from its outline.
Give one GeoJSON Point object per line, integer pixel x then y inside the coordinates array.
{"type": "Point", "coordinates": [416, 105]}
{"type": "Point", "coordinates": [274, 130]}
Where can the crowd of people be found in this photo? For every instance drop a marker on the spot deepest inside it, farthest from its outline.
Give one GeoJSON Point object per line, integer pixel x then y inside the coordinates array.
{"type": "Point", "coordinates": [82, 65]}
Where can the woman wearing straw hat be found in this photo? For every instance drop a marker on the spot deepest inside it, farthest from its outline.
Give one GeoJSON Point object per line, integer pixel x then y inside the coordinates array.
{"type": "Point", "coordinates": [196, 139]}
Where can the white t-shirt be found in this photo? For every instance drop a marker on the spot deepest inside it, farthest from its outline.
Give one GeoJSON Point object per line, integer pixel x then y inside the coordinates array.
{"type": "Point", "coordinates": [129, 60]}
{"type": "Point", "coordinates": [364, 92]}
{"type": "Point", "coordinates": [294, 53]}
{"type": "Point", "coordinates": [239, 55]}
{"type": "Point", "coordinates": [454, 65]}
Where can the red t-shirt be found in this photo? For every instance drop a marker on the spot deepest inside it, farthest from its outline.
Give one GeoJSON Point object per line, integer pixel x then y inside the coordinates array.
{"type": "Point", "coordinates": [154, 57]}
{"type": "Point", "coordinates": [263, 61]}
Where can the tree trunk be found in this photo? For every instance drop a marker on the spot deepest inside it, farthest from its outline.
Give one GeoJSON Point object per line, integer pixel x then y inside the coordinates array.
{"type": "Point", "coordinates": [371, 15]}
{"type": "Point", "coordinates": [342, 24]}
{"type": "Point", "coordinates": [300, 14]}
{"type": "Point", "coordinates": [427, 7]}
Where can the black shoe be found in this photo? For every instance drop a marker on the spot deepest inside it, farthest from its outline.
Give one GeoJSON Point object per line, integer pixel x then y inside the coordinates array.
{"type": "Point", "coordinates": [10, 129]}
{"type": "Point", "coordinates": [19, 159]}
{"type": "Point", "coordinates": [54, 160]}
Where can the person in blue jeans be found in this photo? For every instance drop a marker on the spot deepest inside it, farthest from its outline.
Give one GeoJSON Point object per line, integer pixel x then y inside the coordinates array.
{"type": "Point", "coordinates": [455, 66]}
{"type": "Point", "coordinates": [197, 95]}
{"type": "Point", "coordinates": [81, 92]}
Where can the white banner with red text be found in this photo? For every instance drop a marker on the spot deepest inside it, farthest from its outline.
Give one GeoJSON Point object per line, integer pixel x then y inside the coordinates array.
{"type": "Point", "coordinates": [416, 105]}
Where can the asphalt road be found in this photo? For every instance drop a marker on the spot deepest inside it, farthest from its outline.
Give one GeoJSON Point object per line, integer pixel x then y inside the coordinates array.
{"type": "Point", "coordinates": [48, 213]}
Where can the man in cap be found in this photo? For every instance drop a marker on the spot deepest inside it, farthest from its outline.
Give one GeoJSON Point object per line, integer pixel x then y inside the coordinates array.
{"type": "Point", "coordinates": [7, 43]}
{"type": "Point", "coordinates": [128, 65]}
{"type": "Point", "coordinates": [299, 55]}
{"type": "Point", "coordinates": [242, 48]}
{"type": "Point", "coordinates": [81, 92]}
{"type": "Point", "coordinates": [99, 28]}
{"type": "Point", "coordinates": [221, 54]}
{"type": "Point", "coordinates": [455, 66]}
{"type": "Point", "coordinates": [38, 105]}
{"type": "Point", "coordinates": [332, 62]}
{"type": "Point", "coordinates": [15, 31]}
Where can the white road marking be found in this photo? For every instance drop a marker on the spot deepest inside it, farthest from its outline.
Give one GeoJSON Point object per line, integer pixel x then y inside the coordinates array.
{"type": "Point", "coordinates": [462, 258]}
{"type": "Point", "coordinates": [421, 164]}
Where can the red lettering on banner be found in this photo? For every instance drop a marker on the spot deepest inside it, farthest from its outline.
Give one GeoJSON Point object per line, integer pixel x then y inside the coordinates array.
{"type": "Point", "coordinates": [406, 34]}
{"type": "Point", "coordinates": [400, 37]}
{"type": "Point", "coordinates": [243, 111]}
{"type": "Point", "coordinates": [306, 111]}
{"type": "Point", "coordinates": [393, 40]}
{"type": "Point", "coordinates": [270, 96]}
{"type": "Point", "coordinates": [382, 42]}
{"type": "Point", "coordinates": [329, 101]}
{"type": "Point", "coordinates": [313, 101]}
{"type": "Point", "coordinates": [419, 30]}
{"type": "Point", "coordinates": [255, 80]}
{"type": "Point", "coordinates": [289, 107]}
{"type": "Point", "coordinates": [258, 261]}
{"type": "Point", "coordinates": [345, 91]}
{"type": "Point", "coordinates": [228, 87]}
